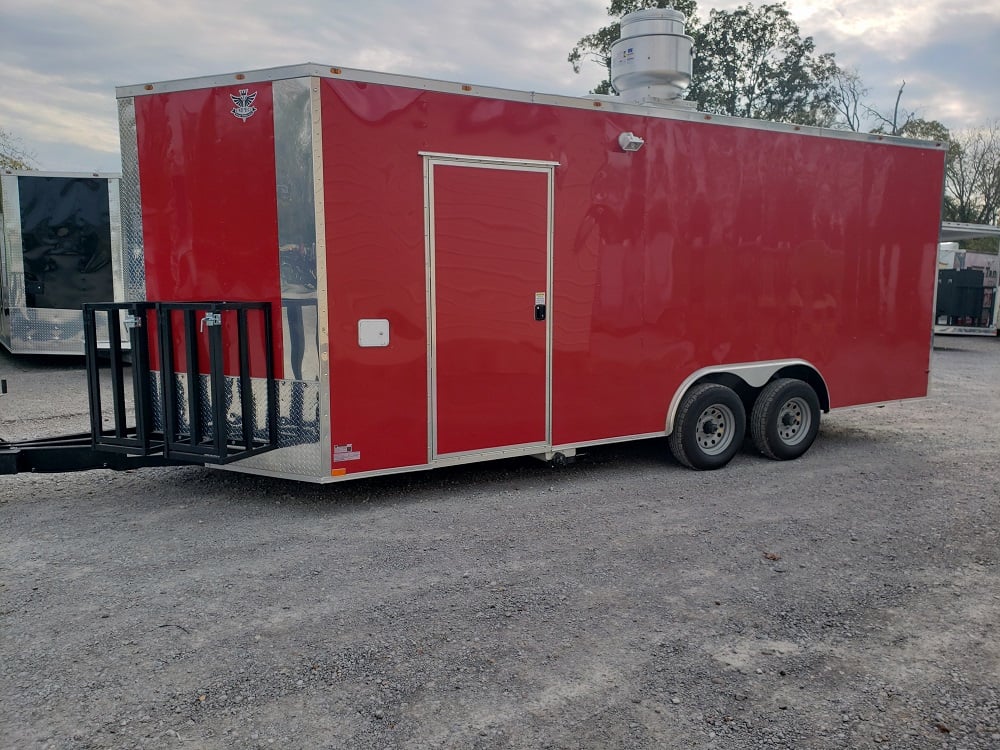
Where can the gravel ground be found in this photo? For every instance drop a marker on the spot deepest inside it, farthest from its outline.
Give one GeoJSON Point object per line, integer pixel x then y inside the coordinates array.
{"type": "Point", "coordinates": [849, 599]}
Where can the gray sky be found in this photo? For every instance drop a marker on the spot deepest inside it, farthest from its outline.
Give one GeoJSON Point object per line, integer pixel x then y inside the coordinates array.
{"type": "Point", "coordinates": [60, 62]}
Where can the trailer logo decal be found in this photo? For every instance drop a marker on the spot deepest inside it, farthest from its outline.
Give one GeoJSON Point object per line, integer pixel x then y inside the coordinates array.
{"type": "Point", "coordinates": [244, 108]}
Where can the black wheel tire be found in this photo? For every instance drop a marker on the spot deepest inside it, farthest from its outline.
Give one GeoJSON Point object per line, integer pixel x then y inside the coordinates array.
{"type": "Point", "coordinates": [784, 421]}
{"type": "Point", "coordinates": [709, 427]}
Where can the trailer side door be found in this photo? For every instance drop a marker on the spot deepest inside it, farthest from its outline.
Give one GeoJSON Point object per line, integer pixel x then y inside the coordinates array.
{"type": "Point", "coordinates": [489, 245]}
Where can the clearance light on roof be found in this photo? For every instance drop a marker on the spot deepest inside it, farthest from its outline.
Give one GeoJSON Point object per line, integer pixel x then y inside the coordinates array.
{"type": "Point", "coordinates": [630, 142]}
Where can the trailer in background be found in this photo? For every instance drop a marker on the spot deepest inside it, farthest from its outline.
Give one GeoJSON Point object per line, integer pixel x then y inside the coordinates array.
{"type": "Point", "coordinates": [968, 294]}
{"type": "Point", "coordinates": [60, 247]}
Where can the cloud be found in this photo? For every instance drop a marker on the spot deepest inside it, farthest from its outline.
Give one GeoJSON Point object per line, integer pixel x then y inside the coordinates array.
{"type": "Point", "coordinates": [60, 62]}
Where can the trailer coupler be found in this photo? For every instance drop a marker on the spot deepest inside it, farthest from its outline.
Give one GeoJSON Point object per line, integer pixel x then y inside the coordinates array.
{"type": "Point", "coordinates": [69, 453]}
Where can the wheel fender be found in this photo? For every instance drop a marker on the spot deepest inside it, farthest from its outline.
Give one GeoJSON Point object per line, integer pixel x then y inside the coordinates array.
{"type": "Point", "coordinates": [754, 374]}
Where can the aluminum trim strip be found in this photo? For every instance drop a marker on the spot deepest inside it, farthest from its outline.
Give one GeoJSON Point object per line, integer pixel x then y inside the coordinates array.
{"type": "Point", "coordinates": [549, 299]}
{"type": "Point", "coordinates": [452, 460]}
{"type": "Point", "coordinates": [32, 173]}
{"type": "Point", "coordinates": [965, 331]}
{"type": "Point", "coordinates": [959, 230]}
{"type": "Point", "coordinates": [465, 89]}
{"type": "Point", "coordinates": [263, 75]}
{"type": "Point", "coordinates": [521, 165]}
{"type": "Point", "coordinates": [429, 306]}
{"type": "Point", "coordinates": [869, 404]}
{"type": "Point", "coordinates": [322, 282]}
{"type": "Point", "coordinates": [522, 449]}
{"type": "Point", "coordinates": [117, 259]}
{"type": "Point", "coordinates": [12, 262]}
{"type": "Point", "coordinates": [606, 441]}
{"type": "Point", "coordinates": [296, 249]}
{"type": "Point", "coordinates": [493, 162]}
{"type": "Point", "coordinates": [237, 468]}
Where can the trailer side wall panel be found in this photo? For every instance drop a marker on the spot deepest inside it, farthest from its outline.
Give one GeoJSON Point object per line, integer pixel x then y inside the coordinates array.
{"type": "Point", "coordinates": [457, 275]}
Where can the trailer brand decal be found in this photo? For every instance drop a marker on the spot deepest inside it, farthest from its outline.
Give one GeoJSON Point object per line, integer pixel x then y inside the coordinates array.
{"type": "Point", "coordinates": [244, 108]}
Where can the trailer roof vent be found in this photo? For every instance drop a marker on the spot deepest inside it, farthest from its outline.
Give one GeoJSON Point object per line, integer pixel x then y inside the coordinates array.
{"type": "Point", "coordinates": [651, 61]}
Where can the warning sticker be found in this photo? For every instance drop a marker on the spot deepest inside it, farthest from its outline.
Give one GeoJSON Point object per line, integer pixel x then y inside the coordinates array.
{"type": "Point", "coordinates": [345, 452]}
{"type": "Point", "coordinates": [539, 298]}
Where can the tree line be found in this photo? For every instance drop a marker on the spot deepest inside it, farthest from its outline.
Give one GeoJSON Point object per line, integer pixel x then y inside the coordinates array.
{"type": "Point", "coordinates": [754, 62]}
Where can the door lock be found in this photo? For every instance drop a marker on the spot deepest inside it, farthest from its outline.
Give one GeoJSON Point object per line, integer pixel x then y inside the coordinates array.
{"type": "Point", "coordinates": [210, 319]}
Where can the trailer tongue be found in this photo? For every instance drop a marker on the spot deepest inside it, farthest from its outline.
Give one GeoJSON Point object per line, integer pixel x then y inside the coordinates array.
{"type": "Point", "coordinates": [155, 418]}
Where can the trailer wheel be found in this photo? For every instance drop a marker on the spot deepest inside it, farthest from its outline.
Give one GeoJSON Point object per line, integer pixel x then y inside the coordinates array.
{"type": "Point", "coordinates": [785, 419]}
{"type": "Point", "coordinates": [709, 427]}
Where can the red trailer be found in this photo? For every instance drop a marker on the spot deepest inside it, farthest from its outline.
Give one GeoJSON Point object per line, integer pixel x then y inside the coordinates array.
{"type": "Point", "coordinates": [444, 273]}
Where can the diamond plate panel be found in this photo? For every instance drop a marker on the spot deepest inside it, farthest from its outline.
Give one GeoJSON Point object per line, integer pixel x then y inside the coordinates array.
{"type": "Point", "coordinates": [35, 331]}
{"type": "Point", "coordinates": [299, 452]}
{"type": "Point", "coordinates": [13, 263]}
{"type": "Point", "coordinates": [157, 396]}
{"type": "Point", "coordinates": [133, 265]}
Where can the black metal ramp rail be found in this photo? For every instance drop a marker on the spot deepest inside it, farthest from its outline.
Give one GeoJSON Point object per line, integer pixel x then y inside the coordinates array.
{"type": "Point", "coordinates": [141, 439]}
{"type": "Point", "coordinates": [211, 431]}
{"type": "Point", "coordinates": [179, 417]}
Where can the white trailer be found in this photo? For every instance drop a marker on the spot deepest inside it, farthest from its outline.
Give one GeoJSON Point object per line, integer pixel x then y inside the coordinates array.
{"type": "Point", "coordinates": [968, 294]}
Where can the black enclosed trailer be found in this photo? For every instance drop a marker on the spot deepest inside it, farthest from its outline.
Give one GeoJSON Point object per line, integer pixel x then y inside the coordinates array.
{"type": "Point", "coordinates": [60, 247]}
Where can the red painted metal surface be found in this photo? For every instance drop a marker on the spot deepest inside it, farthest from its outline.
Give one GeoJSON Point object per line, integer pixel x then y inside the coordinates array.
{"type": "Point", "coordinates": [209, 212]}
{"type": "Point", "coordinates": [490, 261]}
{"type": "Point", "coordinates": [712, 245]}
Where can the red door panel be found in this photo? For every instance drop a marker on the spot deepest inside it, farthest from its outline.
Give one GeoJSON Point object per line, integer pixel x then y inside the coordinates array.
{"type": "Point", "coordinates": [490, 260]}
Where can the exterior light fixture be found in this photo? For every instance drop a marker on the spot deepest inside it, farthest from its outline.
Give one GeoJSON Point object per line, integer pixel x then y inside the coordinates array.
{"type": "Point", "coordinates": [630, 142]}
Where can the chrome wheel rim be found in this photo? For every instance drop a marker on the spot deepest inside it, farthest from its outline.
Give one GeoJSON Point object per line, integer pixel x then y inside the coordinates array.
{"type": "Point", "coordinates": [715, 429]}
{"type": "Point", "coordinates": [794, 421]}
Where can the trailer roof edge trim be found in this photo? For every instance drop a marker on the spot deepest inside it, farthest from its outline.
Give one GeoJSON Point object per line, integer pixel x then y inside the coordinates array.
{"type": "Point", "coordinates": [36, 173]}
{"type": "Point", "coordinates": [957, 230]}
{"type": "Point", "coordinates": [265, 75]}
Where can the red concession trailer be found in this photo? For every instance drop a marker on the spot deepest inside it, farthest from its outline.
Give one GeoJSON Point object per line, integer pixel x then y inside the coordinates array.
{"type": "Point", "coordinates": [346, 274]}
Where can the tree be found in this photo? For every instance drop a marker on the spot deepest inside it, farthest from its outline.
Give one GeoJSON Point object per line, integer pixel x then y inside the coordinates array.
{"type": "Point", "coordinates": [752, 62]}
{"type": "Point", "coordinates": [849, 93]}
{"type": "Point", "coordinates": [927, 130]}
{"type": "Point", "coordinates": [898, 122]}
{"type": "Point", "coordinates": [12, 154]}
{"type": "Point", "coordinates": [972, 177]}
{"type": "Point", "coordinates": [596, 47]}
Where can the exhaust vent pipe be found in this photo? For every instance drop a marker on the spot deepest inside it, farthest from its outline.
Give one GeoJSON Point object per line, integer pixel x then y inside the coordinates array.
{"type": "Point", "coordinates": [651, 61]}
